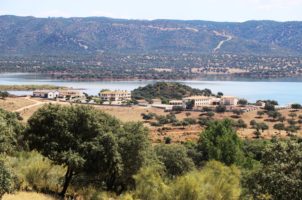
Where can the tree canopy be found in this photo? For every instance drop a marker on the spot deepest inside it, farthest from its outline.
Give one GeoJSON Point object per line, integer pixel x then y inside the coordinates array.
{"type": "Point", "coordinates": [219, 141]}
{"type": "Point", "coordinates": [165, 90]}
{"type": "Point", "coordinates": [175, 159]}
{"type": "Point", "coordinates": [88, 141]}
{"type": "Point", "coordinates": [10, 131]}
{"type": "Point", "coordinates": [280, 175]}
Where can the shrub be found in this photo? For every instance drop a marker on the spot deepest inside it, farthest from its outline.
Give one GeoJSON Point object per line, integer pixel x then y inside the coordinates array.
{"type": "Point", "coordinates": [7, 180]}
{"type": "Point", "coordinates": [175, 159]}
{"type": "Point", "coordinates": [214, 181]}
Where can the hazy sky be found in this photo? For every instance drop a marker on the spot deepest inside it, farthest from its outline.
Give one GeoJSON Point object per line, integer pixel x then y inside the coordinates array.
{"type": "Point", "coordinates": [215, 10]}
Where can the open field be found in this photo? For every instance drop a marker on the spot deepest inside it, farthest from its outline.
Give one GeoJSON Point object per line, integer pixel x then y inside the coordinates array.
{"type": "Point", "coordinates": [13, 104]}
{"type": "Point", "coordinates": [27, 106]}
{"type": "Point", "coordinates": [27, 196]}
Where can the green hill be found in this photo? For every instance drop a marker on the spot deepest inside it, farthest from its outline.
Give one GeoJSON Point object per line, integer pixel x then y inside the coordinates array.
{"type": "Point", "coordinates": [167, 91]}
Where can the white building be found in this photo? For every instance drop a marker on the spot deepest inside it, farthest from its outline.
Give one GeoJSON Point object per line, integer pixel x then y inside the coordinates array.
{"type": "Point", "coordinates": [115, 96]}
{"type": "Point", "coordinates": [49, 94]}
{"type": "Point", "coordinates": [199, 101]}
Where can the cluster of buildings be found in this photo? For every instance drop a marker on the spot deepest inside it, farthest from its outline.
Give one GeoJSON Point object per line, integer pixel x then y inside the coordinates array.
{"type": "Point", "coordinates": [116, 97]}
{"type": "Point", "coordinates": [119, 97]}
{"type": "Point", "coordinates": [62, 94]}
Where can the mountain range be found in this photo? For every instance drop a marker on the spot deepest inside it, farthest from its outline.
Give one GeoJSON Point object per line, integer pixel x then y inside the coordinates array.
{"type": "Point", "coordinates": [93, 35]}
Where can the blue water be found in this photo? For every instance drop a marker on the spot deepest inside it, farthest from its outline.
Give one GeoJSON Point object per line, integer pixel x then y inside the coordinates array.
{"type": "Point", "coordinates": [285, 92]}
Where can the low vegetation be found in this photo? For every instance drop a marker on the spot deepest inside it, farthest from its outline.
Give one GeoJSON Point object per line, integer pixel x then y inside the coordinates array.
{"type": "Point", "coordinates": [29, 87]}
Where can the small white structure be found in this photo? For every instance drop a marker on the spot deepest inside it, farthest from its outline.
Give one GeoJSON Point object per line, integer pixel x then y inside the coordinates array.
{"type": "Point", "coordinates": [49, 94]}
{"type": "Point", "coordinates": [163, 106]}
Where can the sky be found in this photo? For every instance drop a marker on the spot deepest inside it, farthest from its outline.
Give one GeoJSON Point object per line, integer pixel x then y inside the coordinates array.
{"type": "Point", "coordinates": [212, 10]}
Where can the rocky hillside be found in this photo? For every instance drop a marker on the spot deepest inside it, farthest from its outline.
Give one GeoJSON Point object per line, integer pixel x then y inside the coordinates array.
{"type": "Point", "coordinates": [32, 36]}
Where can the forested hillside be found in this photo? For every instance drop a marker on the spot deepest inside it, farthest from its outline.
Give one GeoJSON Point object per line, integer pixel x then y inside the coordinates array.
{"type": "Point", "coordinates": [31, 36]}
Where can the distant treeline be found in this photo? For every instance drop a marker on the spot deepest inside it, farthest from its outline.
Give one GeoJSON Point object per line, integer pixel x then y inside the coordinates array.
{"type": "Point", "coordinates": [155, 66]}
{"type": "Point", "coordinates": [29, 87]}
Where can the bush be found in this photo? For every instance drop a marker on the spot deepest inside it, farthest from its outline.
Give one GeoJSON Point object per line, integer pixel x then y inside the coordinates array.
{"type": "Point", "coordinates": [175, 159]}
{"type": "Point", "coordinates": [220, 109]}
{"type": "Point", "coordinates": [214, 181]}
{"type": "Point", "coordinates": [7, 180]}
{"type": "Point", "coordinates": [150, 185]}
{"type": "Point", "coordinates": [34, 171]}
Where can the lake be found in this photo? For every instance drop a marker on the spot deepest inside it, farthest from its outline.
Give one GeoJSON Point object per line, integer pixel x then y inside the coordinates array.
{"type": "Point", "coordinates": [285, 92]}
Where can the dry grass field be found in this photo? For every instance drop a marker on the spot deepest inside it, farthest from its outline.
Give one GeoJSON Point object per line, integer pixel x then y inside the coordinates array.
{"type": "Point", "coordinates": [27, 196]}
{"type": "Point", "coordinates": [12, 104]}
{"type": "Point", "coordinates": [28, 106]}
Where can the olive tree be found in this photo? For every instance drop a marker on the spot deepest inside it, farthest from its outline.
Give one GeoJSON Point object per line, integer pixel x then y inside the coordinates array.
{"type": "Point", "coordinates": [91, 145]}
{"type": "Point", "coordinates": [78, 137]}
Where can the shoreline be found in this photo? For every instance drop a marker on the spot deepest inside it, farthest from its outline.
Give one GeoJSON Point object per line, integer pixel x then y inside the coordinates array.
{"type": "Point", "coordinates": [203, 77]}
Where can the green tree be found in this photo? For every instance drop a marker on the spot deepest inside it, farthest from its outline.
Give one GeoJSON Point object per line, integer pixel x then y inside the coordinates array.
{"type": "Point", "coordinates": [175, 159]}
{"type": "Point", "coordinates": [190, 104]}
{"type": "Point", "coordinates": [220, 109]}
{"type": "Point", "coordinates": [274, 114]}
{"type": "Point", "coordinates": [4, 94]}
{"type": "Point", "coordinates": [10, 132]}
{"type": "Point", "coordinates": [292, 115]}
{"type": "Point", "coordinates": [219, 141]}
{"type": "Point", "coordinates": [241, 124]}
{"type": "Point", "coordinates": [279, 127]}
{"type": "Point", "coordinates": [280, 174]}
{"type": "Point", "coordinates": [7, 180]}
{"type": "Point", "coordinates": [242, 102]}
{"type": "Point", "coordinates": [135, 150]}
{"type": "Point", "coordinates": [296, 106]}
{"type": "Point", "coordinates": [78, 137]}
{"type": "Point", "coordinates": [260, 113]}
{"type": "Point", "coordinates": [210, 114]}
{"type": "Point", "coordinates": [238, 112]}
{"type": "Point", "coordinates": [269, 106]}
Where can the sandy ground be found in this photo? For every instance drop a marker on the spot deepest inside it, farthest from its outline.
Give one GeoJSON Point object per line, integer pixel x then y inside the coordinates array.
{"type": "Point", "coordinates": [27, 106]}
{"type": "Point", "coordinates": [12, 104]}
{"type": "Point", "coordinates": [27, 196]}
